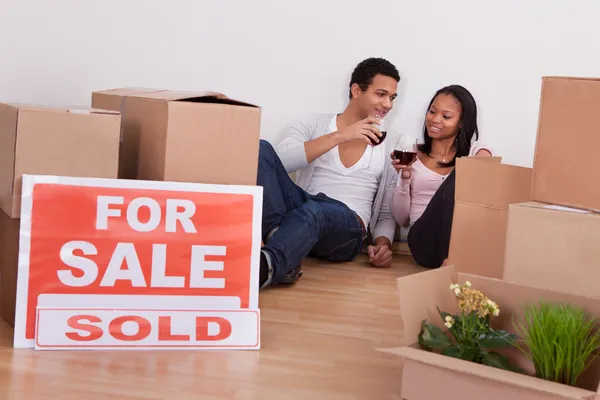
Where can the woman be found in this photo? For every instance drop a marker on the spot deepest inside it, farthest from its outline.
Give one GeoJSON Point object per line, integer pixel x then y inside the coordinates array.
{"type": "Point", "coordinates": [424, 196]}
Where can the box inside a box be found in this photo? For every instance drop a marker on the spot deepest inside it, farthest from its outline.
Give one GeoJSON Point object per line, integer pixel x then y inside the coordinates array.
{"type": "Point", "coordinates": [421, 294]}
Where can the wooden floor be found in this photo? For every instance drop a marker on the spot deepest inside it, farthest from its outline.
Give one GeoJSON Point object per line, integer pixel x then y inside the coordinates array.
{"type": "Point", "coordinates": [319, 341]}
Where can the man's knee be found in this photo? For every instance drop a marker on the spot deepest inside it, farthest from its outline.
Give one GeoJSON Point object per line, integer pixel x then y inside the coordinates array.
{"type": "Point", "coordinates": [266, 150]}
{"type": "Point", "coordinates": [313, 216]}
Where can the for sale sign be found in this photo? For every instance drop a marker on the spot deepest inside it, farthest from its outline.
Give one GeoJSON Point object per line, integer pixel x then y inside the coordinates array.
{"type": "Point", "coordinates": [107, 263]}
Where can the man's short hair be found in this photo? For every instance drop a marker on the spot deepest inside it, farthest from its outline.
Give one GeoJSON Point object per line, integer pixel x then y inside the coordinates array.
{"type": "Point", "coordinates": [367, 69]}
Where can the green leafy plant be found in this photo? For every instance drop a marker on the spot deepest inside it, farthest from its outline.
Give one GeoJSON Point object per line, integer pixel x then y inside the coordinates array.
{"type": "Point", "coordinates": [560, 339]}
{"type": "Point", "coordinates": [469, 336]}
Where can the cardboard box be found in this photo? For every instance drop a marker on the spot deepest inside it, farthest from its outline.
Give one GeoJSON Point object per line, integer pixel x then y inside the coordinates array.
{"type": "Point", "coordinates": [9, 256]}
{"type": "Point", "coordinates": [185, 136]}
{"type": "Point", "coordinates": [46, 141]}
{"type": "Point", "coordinates": [484, 189]}
{"type": "Point", "coordinates": [54, 141]}
{"type": "Point", "coordinates": [568, 126]}
{"type": "Point", "coordinates": [114, 99]}
{"type": "Point", "coordinates": [453, 378]}
{"type": "Point", "coordinates": [553, 247]}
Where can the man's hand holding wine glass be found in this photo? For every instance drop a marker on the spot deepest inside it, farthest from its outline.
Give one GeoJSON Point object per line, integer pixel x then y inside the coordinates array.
{"type": "Point", "coordinates": [365, 129]}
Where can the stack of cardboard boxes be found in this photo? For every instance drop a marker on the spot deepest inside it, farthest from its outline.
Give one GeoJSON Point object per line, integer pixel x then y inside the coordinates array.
{"type": "Point", "coordinates": [553, 242]}
{"type": "Point", "coordinates": [540, 225]}
{"type": "Point", "coordinates": [128, 134]}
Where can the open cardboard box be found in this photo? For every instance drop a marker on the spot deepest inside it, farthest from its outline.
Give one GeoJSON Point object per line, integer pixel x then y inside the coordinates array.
{"type": "Point", "coordinates": [185, 136]}
{"type": "Point", "coordinates": [428, 375]}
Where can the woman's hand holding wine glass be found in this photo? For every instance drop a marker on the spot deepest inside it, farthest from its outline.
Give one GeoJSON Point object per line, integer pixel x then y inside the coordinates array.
{"type": "Point", "coordinates": [404, 154]}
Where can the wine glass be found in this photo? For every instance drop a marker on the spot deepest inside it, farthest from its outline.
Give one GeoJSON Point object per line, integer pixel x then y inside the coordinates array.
{"type": "Point", "coordinates": [405, 150]}
{"type": "Point", "coordinates": [383, 129]}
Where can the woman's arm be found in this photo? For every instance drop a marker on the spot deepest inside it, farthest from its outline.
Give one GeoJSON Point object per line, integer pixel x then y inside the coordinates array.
{"type": "Point", "coordinates": [480, 149]}
{"type": "Point", "coordinates": [401, 201]}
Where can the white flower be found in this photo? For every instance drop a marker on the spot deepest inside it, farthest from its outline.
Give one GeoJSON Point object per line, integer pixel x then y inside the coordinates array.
{"type": "Point", "coordinates": [468, 284]}
{"type": "Point", "coordinates": [457, 291]}
{"type": "Point", "coordinates": [454, 286]}
{"type": "Point", "coordinates": [493, 307]}
{"type": "Point", "coordinates": [449, 321]}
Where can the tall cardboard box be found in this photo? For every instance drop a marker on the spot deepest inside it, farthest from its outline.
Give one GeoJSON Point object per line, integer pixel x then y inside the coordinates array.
{"type": "Point", "coordinates": [568, 139]}
{"type": "Point", "coordinates": [553, 247]}
{"type": "Point", "coordinates": [185, 136]}
{"type": "Point", "coordinates": [47, 141]}
{"type": "Point", "coordinates": [484, 189]}
{"type": "Point", "coordinates": [427, 375]}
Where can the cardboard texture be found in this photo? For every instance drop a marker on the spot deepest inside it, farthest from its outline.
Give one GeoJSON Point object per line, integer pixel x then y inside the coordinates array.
{"type": "Point", "coordinates": [46, 141]}
{"type": "Point", "coordinates": [54, 141]}
{"type": "Point", "coordinates": [421, 294]}
{"type": "Point", "coordinates": [553, 247]}
{"type": "Point", "coordinates": [202, 137]}
{"type": "Point", "coordinates": [9, 252]}
{"type": "Point", "coordinates": [484, 189]}
{"type": "Point", "coordinates": [568, 117]}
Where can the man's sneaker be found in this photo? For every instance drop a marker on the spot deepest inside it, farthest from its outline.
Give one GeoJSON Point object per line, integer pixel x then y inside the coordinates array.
{"type": "Point", "coordinates": [289, 279]}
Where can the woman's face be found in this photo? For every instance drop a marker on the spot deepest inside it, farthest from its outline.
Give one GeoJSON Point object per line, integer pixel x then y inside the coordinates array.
{"type": "Point", "coordinates": [443, 117]}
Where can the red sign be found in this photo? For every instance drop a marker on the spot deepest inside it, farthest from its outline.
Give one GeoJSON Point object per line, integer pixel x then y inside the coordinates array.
{"type": "Point", "coordinates": [101, 243]}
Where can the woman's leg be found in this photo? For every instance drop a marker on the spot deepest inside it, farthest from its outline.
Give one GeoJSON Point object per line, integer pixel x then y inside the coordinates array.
{"type": "Point", "coordinates": [429, 237]}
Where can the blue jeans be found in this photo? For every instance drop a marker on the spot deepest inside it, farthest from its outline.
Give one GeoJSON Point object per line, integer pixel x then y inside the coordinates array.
{"type": "Point", "coordinates": [314, 225]}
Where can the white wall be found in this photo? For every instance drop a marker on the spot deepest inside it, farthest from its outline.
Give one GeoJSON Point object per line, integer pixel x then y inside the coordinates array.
{"type": "Point", "coordinates": [296, 57]}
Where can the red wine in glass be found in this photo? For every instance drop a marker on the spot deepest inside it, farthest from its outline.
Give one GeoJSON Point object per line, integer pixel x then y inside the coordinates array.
{"type": "Point", "coordinates": [405, 150]}
{"type": "Point", "coordinates": [381, 139]}
{"type": "Point", "coordinates": [405, 157]}
{"type": "Point", "coordinates": [382, 128]}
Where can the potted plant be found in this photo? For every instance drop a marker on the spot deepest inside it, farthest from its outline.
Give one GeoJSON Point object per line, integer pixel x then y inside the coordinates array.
{"type": "Point", "coordinates": [469, 336]}
{"type": "Point", "coordinates": [560, 339]}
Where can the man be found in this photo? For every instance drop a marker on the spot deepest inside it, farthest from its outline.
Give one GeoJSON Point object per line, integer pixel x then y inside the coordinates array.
{"type": "Point", "coordinates": [344, 183]}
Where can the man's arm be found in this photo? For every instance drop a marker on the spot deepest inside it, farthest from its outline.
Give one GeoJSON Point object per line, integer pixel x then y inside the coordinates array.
{"type": "Point", "coordinates": [291, 149]}
{"type": "Point", "coordinates": [300, 146]}
{"type": "Point", "coordinates": [363, 129]}
{"type": "Point", "coordinates": [380, 252]}
{"type": "Point", "coordinates": [321, 145]}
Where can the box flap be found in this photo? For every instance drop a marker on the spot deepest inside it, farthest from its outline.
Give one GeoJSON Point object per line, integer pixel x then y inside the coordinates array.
{"type": "Point", "coordinates": [77, 110]}
{"type": "Point", "coordinates": [127, 91]}
{"type": "Point", "coordinates": [553, 207]}
{"type": "Point", "coordinates": [420, 294]}
{"type": "Point", "coordinates": [195, 97]}
{"type": "Point", "coordinates": [490, 183]}
{"type": "Point", "coordinates": [494, 374]}
{"type": "Point", "coordinates": [55, 108]}
{"type": "Point", "coordinates": [570, 78]}
{"type": "Point", "coordinates": [11, 105]}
